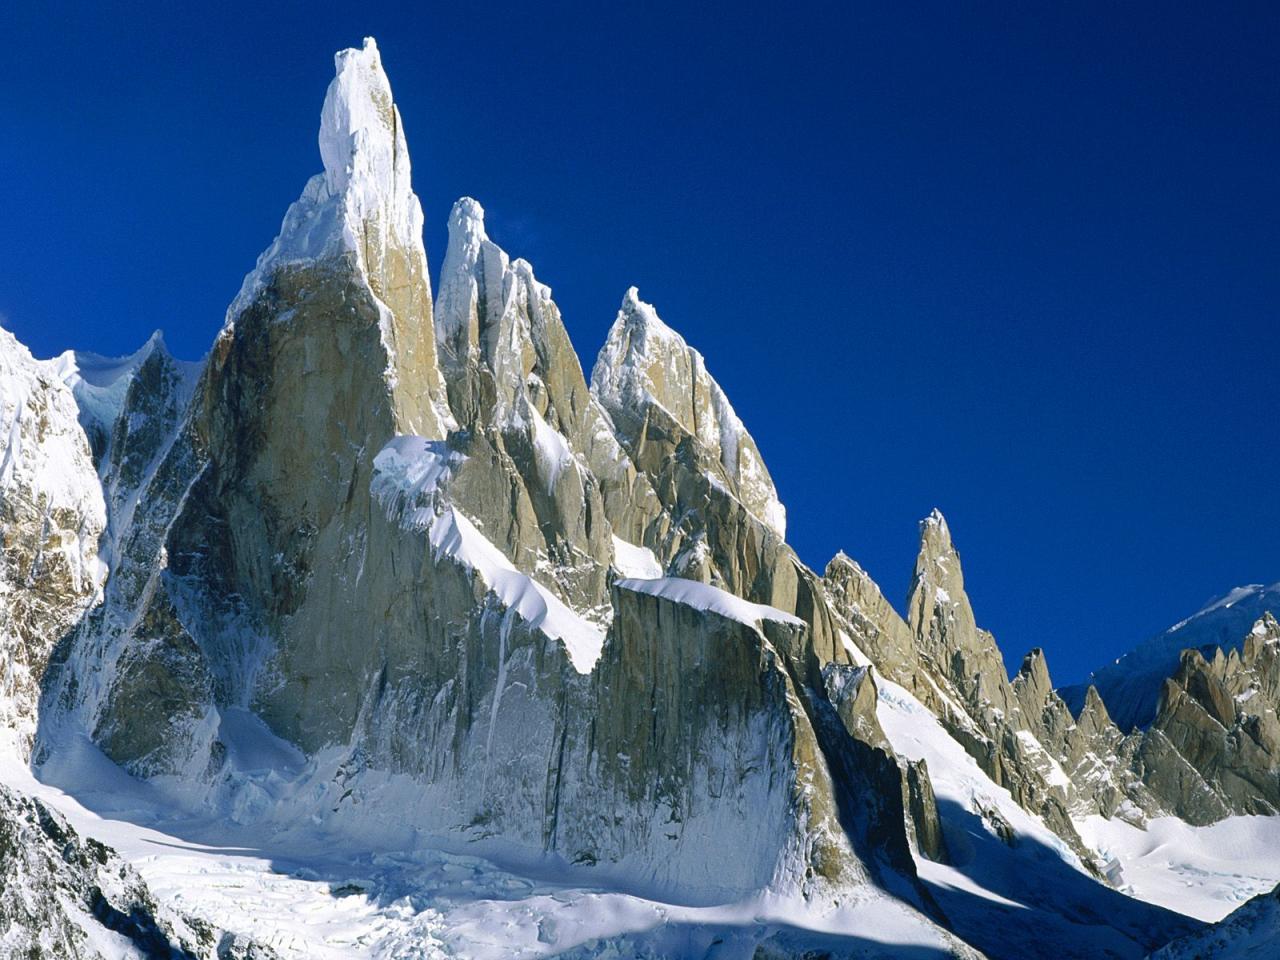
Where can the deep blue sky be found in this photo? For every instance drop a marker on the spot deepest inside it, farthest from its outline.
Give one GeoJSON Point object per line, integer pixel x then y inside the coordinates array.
{"type": "Point", "coordinates": [1022, 264]}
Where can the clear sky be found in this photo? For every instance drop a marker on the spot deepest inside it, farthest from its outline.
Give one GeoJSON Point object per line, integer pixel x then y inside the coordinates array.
{"type": "Point", "coordinates": [1020, 262]}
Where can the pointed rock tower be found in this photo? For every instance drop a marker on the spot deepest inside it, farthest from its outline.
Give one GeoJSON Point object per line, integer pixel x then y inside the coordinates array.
{"type": "Point", "coordinates": [649, 379]}
{"type": "Point", "coordinates": [361, 218]}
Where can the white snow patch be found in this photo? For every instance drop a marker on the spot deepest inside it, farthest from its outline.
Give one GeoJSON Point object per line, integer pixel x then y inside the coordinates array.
{"type": "Point", "coordinates": [636, 563]}
{"type": "Point", "coordinates": [454, 536]}
{"type": "Point", "coordinates": [410, 474]}
{"type": "Point", "coordinates": [702, 596]}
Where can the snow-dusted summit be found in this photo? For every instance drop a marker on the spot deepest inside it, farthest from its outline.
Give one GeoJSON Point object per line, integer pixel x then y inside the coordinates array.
{"type": "Point", "coordinates": [646, 370]}
{"type": "Point", "coordinates": [393, 595]}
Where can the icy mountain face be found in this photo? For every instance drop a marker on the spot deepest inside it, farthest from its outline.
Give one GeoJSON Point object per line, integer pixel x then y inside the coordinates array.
{"type": "Point", "coordinates": [52, 515]}
{"type": "Point", "coordinates": [526, 417]}
{"type": "Point", "coordinates": [1131, 685]}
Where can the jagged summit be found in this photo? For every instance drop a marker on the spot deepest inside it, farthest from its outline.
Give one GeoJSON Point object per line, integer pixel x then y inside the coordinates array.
{"type": "Point", "coordinates": [1131, 684]}
{"type": "Point", "coordinates": [361, 218]}
{"type": "Point", "coordinates": [491, 307]}
{"type": "Point", "coordinates": [364, 202]}
{"type": "Point", "coordinates": [361, 139]}
{"type": "Point", "coordinates": [646, 366]}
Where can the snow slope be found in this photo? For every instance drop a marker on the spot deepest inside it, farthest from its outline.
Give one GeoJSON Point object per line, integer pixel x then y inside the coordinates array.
{"type": "Point", "coordinates": [1203, 872]}
{"type": "Point", "coordinates": [1011, 887]}
{"type": "Point", "coordinates": [1250, 933]}
{"type": "Point", "coordinates": [313, 896]}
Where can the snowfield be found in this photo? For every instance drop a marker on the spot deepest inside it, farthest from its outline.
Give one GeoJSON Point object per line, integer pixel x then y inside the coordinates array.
{"type": "Point", "coordinates": [1203, 872]}
{"type": "Point", "coordinates": [310, 895]}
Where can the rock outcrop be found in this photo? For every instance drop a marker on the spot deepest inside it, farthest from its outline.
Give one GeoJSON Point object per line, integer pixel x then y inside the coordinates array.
{"type": "Point", "coordinates": [1219, 716]}
{"type": "Point", "coordinates": [63, 897]}
{"type": "Point", "coordinates": [1132, 685]}
{"type": "Point", "coordinates": [52, 515]}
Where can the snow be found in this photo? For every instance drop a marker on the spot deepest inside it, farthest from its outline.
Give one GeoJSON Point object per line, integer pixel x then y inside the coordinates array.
{"type": "Point", "coordinates": [636, 563]}
{"type": "Point", "coordinates": [553, 452]}
{"type": "Point", "coordinates": [917, 734]}
{"type": "Point", "coordinates": [455, 537]}
{"type": "Point", "coordinates": [1054, 774]}
{"type": "Point", "coordinates": [1203, 872]}
{"type": "Point", "coordinates": [1250, 933]}
{"type": "Point", "coordinates": [44, 448]}
{"type": "Point", "coordinates": [702, 596]}
{"type": "Point", "coordinates": [313, 895]}
{"type": "Point", "coordinates": [459, 283]}
{"type": "Point", "coordinates": [100, 383]}
{"type": "Point", "coordinates": [1028, 888]}
{"type": "Point", "coordinates": [855, 653]}
{"type": "Point", "coordinates": [409, 469]}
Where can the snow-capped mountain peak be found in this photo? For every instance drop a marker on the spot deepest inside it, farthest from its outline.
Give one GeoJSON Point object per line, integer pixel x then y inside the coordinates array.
{"type": "Point", "coordinates": [363, 203]}
{"type": "Point", "coordinates": [366, 159]}
{"type": "Point", "coordinates": [1131, 684]}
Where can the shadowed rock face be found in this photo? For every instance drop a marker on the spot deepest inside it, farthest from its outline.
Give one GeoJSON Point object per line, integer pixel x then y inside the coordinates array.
{"type": "Point", "coordinates": [700, 722]}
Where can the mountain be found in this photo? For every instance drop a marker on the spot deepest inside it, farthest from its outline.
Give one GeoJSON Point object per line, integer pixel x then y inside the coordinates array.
{"type": "Point", "coordinates": [1131, 685]}
{"type": "Point", "coordinates": [384, 631]}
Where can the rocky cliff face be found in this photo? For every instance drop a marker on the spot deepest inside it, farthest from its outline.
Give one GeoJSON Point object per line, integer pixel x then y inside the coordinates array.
{"type": "Point", "coordinates": [404, 570]}
{"type": "Point", "coordinates": [52, 515]}
{"type": "Point", "coordinates": [1219, 716]}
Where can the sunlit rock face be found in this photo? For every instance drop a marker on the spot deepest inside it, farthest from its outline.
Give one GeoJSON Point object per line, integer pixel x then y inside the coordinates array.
{"type": "Point", "coordinates": [1219, 716]}
{"type": "Point", "coordinates": [647, 371]}
{"type": "Point", "coordinates": [52, 516]}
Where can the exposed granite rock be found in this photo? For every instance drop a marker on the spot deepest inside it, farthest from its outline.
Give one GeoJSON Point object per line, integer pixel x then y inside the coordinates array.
{"type": "Point", "coordinates": [531, 432]}
{"type": "Point", "coordinates": [52, 514]}
{"type": "Point", "coordinates": [852, 692]}
{"type": "Point", "coordinates": [1219, 716]}
{"type": "Point", "coordinates": [651, 381]}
